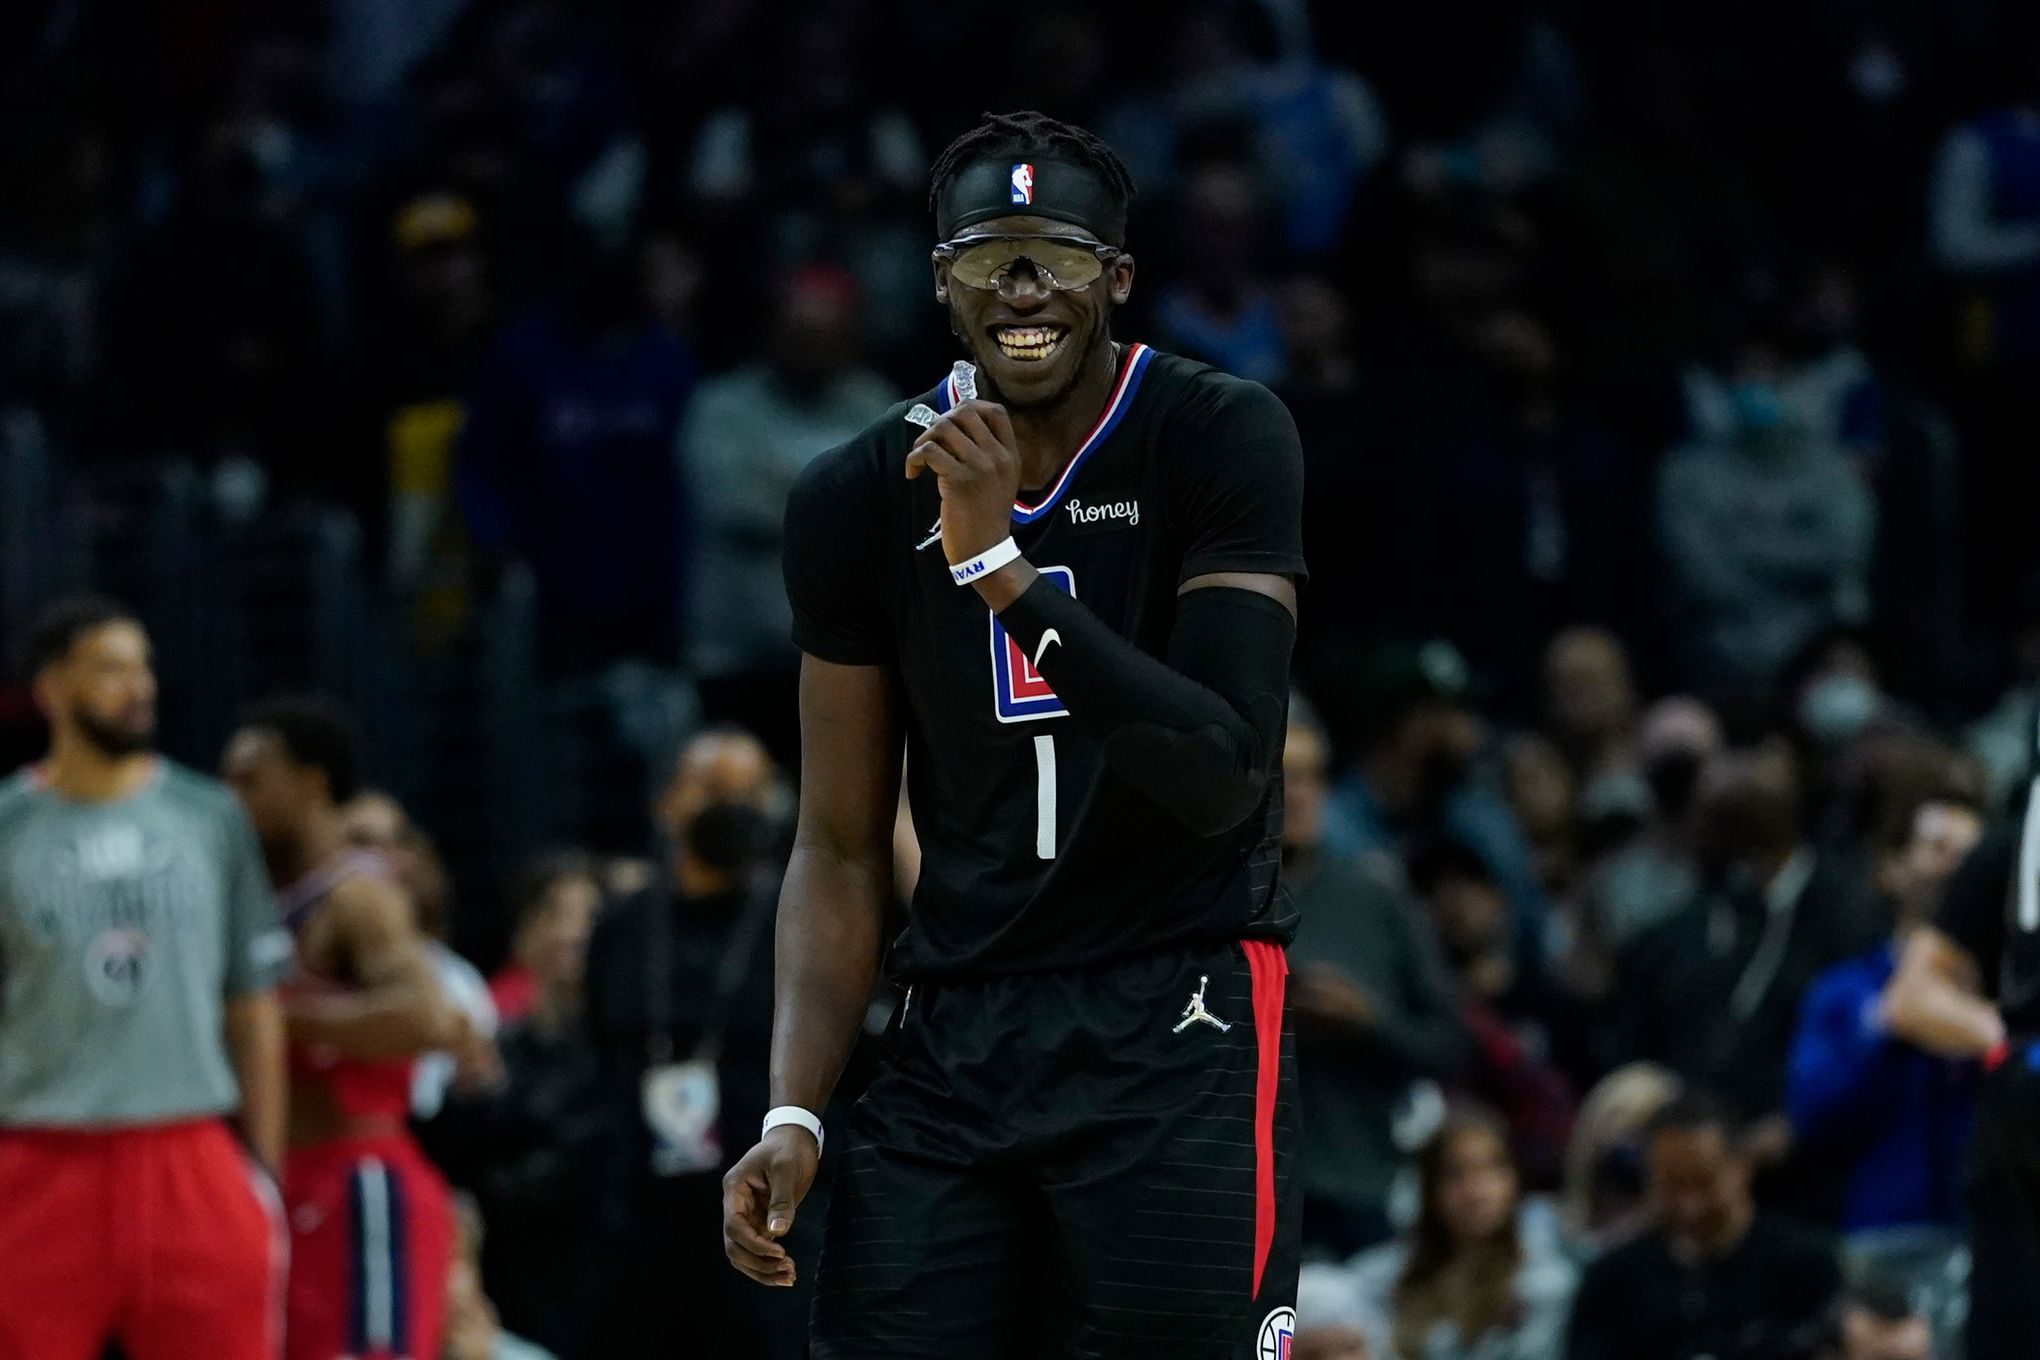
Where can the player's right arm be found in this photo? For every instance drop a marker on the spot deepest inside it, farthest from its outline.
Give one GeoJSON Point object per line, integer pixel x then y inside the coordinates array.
{"type": "Point", "coordinates": [831, 910]}
{"type": "Point", "coordinates": [1932, 999]}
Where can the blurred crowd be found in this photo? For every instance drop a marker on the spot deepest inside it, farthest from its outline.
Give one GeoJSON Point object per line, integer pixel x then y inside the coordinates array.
{"type": "Point", "coordinates": [1673, 625]}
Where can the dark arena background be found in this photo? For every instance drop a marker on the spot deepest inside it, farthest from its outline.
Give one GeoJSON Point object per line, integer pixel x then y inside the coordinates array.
{"type": "Point", "coordinates": [1667, 379]}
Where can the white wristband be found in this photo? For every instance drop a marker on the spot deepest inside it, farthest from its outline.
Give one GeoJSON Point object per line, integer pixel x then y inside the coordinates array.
{"type": "Point", "coordinates": [793, 1114]}
{"type": "Point", "coordinates": [985, 563]}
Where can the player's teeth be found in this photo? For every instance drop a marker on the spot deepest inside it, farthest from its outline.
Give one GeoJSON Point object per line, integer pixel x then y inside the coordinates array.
{"type": "Point", "coordinates": [1029, 342]}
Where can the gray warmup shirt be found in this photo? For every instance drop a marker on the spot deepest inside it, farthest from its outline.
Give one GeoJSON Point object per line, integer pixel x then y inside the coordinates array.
{"type": "Point", "coordinates": [124, 927]}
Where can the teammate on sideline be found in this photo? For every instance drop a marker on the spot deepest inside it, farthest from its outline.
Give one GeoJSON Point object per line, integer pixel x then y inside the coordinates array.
{"type": "Point", "coordinates": [139, 949]}
{"type": "Point", "coordinates": [371, 1220]}
{"type": "Point", "coordinates": [1969, 987]}
{"type": "Point", "coordinates": [1080, 1140]}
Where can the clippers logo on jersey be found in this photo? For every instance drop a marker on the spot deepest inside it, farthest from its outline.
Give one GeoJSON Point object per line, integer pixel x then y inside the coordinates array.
{"type": "Point", "coordinates": [1019, 694]}
{"type": "Point", "coordinates": [1023, 183]}
{"type": "Point", "coordinates": [1278, 1335]}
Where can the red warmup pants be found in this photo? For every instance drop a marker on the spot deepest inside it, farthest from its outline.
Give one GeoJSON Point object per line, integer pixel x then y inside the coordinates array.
{"type": "Point", "coordinates": [165, 1238]}
{"type": "Point", "coordinates": [371, 1228]}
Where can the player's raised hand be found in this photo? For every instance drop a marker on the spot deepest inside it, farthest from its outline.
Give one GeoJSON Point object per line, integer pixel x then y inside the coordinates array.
{"type": "Point", "coordinates": [976, 460]}
{"type": "Point", "coordinates": [760, 1196]}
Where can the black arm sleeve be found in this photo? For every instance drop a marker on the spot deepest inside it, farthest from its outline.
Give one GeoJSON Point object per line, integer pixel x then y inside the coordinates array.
{"type": "Point", "coordinates": [1200, 733]}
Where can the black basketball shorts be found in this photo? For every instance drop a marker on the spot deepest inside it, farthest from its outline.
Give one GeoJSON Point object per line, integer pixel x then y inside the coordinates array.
{"type": "Point", "coordinates": [1095, 1164]}
{"type": "Point", "coordinates": [2004, 1212]}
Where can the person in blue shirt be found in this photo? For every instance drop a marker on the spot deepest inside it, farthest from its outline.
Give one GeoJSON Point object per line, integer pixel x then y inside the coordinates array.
{"type": "Point", "coordinates": [1895, 1116]}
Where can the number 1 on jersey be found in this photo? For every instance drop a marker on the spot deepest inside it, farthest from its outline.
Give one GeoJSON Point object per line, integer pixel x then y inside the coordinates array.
{"type": "Point", "coordinates": [1044, 796]}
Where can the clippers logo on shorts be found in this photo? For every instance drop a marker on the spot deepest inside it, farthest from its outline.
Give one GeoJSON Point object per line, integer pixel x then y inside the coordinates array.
{"type": "Point", "coordinates": [1023, 183]}
{"type": "Point", "coordinates": [1278, 1335]}
{"type": "Point", "coordinates": [1019, 694]}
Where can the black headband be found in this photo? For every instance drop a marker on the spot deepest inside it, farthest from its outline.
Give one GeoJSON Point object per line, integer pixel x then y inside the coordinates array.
{"type": "Point", "coordinates": [1024, 185]}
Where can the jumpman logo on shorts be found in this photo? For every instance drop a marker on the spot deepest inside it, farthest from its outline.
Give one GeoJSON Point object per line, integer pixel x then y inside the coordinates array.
{"type": "Point", "coordinates": [1194, 1012]}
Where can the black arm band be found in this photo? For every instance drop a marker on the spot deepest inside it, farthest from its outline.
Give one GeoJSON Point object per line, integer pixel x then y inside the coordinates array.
{"type": "Point", "coordinates": [1200, 734]}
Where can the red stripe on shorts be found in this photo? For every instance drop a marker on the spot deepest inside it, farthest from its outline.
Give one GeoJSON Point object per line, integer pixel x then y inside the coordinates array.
{"type": "Point", "coordinates": [1269, 967]}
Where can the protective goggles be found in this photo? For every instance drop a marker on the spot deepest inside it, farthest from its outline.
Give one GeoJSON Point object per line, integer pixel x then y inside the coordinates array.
{"type": "Point", "coordinates": [1059, 262]}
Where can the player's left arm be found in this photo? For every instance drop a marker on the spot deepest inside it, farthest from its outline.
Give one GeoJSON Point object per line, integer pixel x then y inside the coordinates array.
{"type": "Point", "coordinates": [1199, 732]}
{"type": "Point", "coordinates": [1200, 729]}
{"type": "Point", "coordinates": [396, 1009]}
{"type": "Point", "coordinates": [254, 1038]}
{"type": "Point", "coordinates": [258, 955]}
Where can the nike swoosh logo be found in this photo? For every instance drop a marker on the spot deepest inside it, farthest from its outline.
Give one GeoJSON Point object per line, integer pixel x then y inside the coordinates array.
{"type": "Point", "coordinates": [1050, 636]}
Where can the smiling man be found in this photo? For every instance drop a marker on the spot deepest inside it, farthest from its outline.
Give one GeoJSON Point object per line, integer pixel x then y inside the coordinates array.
{"type": "Point", "coordinates": [1063, 582]}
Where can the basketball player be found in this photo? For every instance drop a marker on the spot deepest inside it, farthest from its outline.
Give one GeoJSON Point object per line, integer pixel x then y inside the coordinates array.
{"type": "Point", "coordinates": [1064, 581]}
{"type": "Point", "coordinates": [139, 949]}
{"type": "Point", "coordinates": [370, 1218]}
{"type": "Point", "coordinates": [1969, 987]}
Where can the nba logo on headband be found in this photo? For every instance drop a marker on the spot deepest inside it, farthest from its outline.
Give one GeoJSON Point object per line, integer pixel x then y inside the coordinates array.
{"type": "Point", "coordinates": [1023, 183]}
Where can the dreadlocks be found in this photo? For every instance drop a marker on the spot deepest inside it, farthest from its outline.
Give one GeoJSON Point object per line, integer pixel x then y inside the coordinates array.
{"type": "Point", "coordinates": [1000, 135]}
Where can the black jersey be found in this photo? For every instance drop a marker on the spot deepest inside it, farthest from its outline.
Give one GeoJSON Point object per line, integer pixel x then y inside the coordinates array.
{"type": "Point", "coordinates": [1034, 855]}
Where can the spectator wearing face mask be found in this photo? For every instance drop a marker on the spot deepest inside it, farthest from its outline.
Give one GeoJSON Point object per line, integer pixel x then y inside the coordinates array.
{"type": "Point", "coordinates": [1373, 1004]}
{"type": "Point", "coordinates": [1649, 879]}
{"type": "Point", "coordinates": [1767, 533]}
{"type": "Point", "coordinates": [680, 1007]}
{"type": "Point", "coordinates": [1835, 691]}
{"type": "Point", "coordinates": [1825, 382]}
{"type": "Point", "coordinates": [1894, 1117]}
{"type": "Point", "coordinates": [1850, 735]}
{"type": "Point", "coordinates": [1478, 1277]}
{"type": "Point", "coordinates": [1643, 882]}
